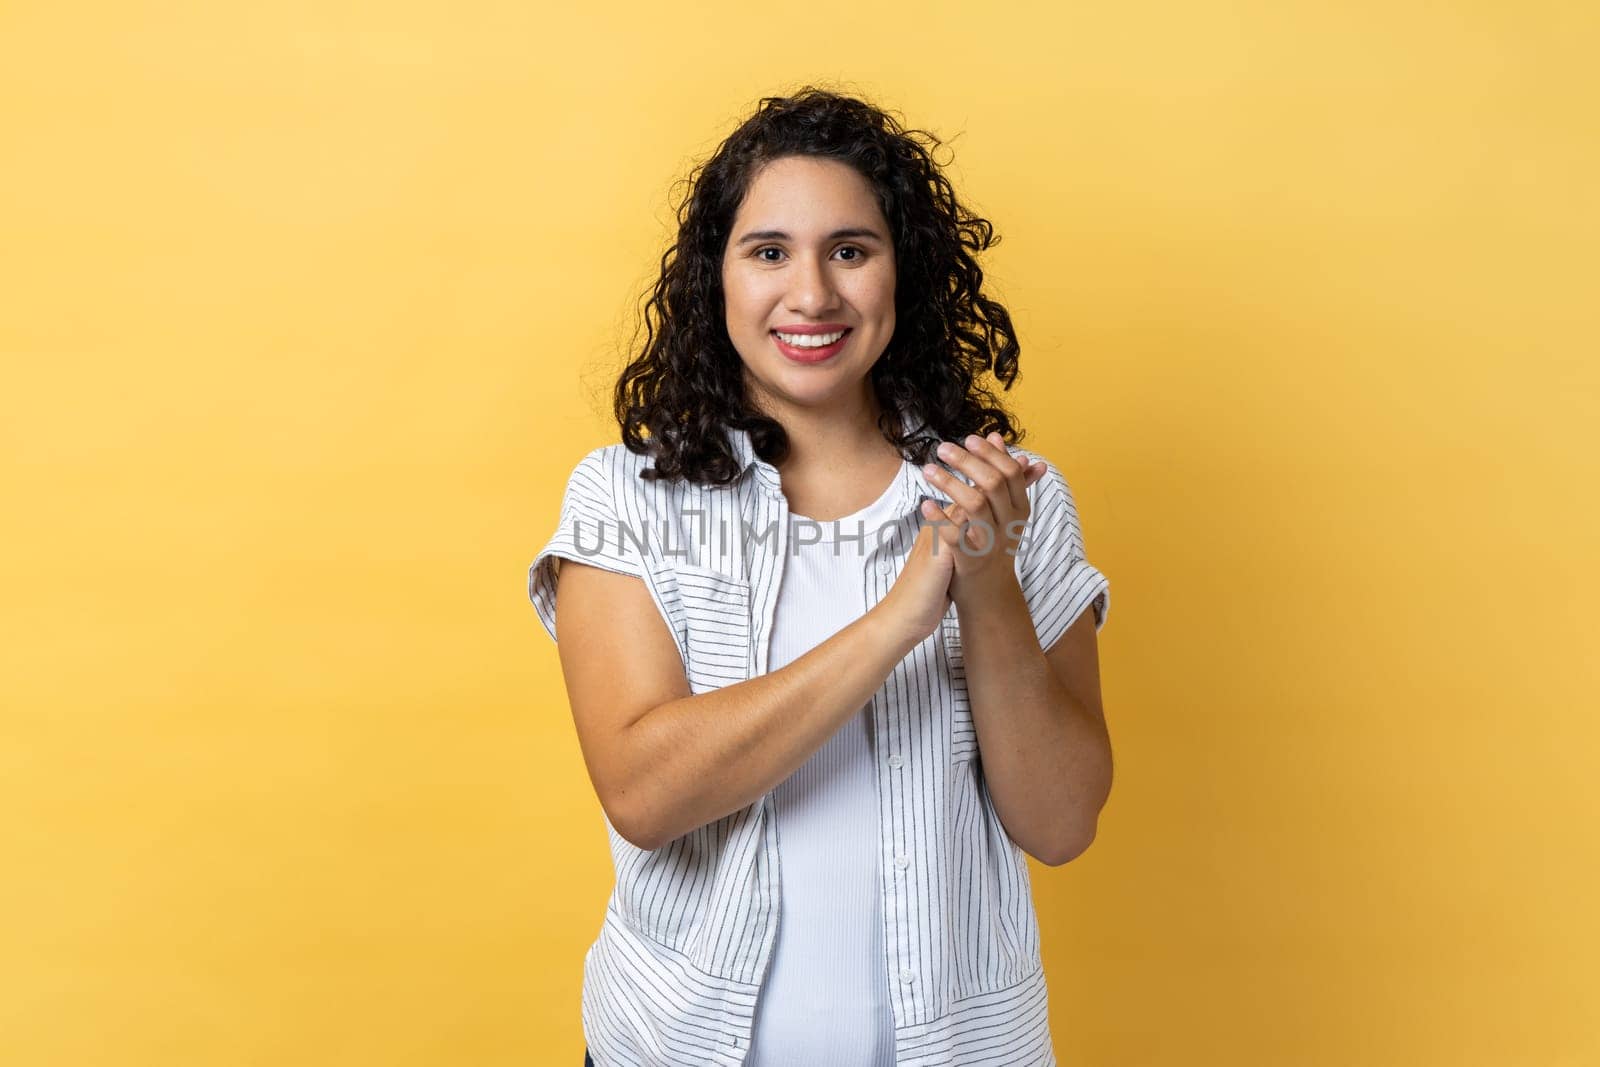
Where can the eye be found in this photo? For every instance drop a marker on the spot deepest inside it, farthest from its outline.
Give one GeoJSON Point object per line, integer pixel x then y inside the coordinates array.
{"type": "Point", "coordinates": [860, 253]}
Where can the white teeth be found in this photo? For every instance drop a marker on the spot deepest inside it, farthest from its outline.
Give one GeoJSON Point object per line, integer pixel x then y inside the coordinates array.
{"type": "Point", "coordinates": [810, 340]}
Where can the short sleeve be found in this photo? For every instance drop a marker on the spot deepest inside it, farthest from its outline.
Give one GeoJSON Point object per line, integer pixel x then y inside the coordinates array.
{"type": "Point", "coordinates": [1057, 580]}
{"type": "Point", "coordinates": [588, 530]}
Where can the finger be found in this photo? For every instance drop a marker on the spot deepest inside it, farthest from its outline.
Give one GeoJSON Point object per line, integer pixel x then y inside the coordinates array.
{"type": "Point", "coordinates": [957, 514]}
{"type": "Point", "coordinates": [979, 534]}
{"type": "Point", "coordinates": [990, 470]}
{"type": "Point", "coordinates": [974, 497]}
{"type": "Point", "coordinates": [966, 500]}
{"type": "Point", "coordinates": [945, 526]}
{"type": "Point", "coordinates": [1014, 468]}
{"type": "Point", "coordinates": [971, 498]}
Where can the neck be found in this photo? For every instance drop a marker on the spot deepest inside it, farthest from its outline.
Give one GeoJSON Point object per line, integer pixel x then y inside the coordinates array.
{"type": "Point", "coordinates": [834, 439]}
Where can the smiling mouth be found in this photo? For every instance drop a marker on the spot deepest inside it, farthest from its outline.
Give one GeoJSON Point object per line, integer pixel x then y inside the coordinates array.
{"type": "Point", "coordinates": [809, 353]}
{"type": "Point", "coordinates": [808, 337]}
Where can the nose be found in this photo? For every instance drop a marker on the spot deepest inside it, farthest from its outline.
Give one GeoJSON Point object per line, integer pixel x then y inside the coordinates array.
{"type": "Point", "coordinates": [811, 289]}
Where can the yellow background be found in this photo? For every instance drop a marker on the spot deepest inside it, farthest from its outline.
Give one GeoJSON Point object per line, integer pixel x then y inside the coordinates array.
{"type": "Point", "coordinates": [307, 310]}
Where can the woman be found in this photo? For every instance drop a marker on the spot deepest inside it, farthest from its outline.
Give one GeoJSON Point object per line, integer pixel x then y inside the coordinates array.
{"type": "Point", "coordinates": [826, 638]}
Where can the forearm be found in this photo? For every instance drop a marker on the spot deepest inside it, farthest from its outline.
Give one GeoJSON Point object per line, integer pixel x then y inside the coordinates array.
{"type": "Point", "coordinates": [1046, 759]}
{"type": "Point", "coordinates": [700, 758]}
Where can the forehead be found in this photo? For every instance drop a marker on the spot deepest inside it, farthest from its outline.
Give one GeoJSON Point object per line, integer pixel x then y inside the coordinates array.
{"type": "Point", "coordinates": [799, 191]}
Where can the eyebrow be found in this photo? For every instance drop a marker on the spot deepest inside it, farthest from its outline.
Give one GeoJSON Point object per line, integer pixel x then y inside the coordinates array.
{"type": "Point", "coordinates": [779, 235]}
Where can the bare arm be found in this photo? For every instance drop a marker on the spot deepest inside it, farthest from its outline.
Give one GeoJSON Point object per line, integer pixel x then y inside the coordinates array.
{"type": "Point", "coordinates": [665, 761]}
{"type": "Point", "coordinates": [699, 758]}
{"type": "Point", "coordinates": [1041, 727]}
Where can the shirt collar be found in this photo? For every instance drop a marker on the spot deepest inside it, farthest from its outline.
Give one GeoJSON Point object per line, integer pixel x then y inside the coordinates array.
{"type": "Point", "coordinates": [913, 484]}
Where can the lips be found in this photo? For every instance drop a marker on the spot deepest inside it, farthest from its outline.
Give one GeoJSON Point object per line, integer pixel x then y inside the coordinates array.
{"type": "Point", "coordinates": [810, 355]}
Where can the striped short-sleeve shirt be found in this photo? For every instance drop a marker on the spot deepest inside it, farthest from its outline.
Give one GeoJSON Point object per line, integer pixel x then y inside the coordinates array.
{"type": "Point", "coordinates": [675, 972]}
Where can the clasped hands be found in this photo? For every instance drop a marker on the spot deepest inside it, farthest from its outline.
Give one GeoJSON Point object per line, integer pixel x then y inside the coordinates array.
{"type": "Point", "coordinates": [989, 515]}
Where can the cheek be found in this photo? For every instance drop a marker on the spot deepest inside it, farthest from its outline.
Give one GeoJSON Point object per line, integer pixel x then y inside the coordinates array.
{"type": "Point", "coordinates": [876, 293]}
{"type": "Point", "coordinates": [743, 298]}
{"type": "Point", "coordinates": [737, 304]}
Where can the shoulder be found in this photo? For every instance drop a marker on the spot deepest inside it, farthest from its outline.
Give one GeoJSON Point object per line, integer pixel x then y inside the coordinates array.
{"type": "Point", "coordinates": [608, 475]}
{"type": "Point", "coordinates": [1052, 487]}
{"type": "Point", "coordinates": [1052, 509]}
{"type": "Point", "coordinates": [608, 459]}
{"type": "Point", "coordinates": [607, 484]}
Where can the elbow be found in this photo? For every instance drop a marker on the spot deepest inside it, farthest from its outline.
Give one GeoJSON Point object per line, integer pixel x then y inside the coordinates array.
{"type": "Point", "coordinates": [628, 800]}
{"type": "Point", "coordinates": [1080, 836]}
{"type": "Point", "coordinates": [628, 811]}
{"type": "Point", "coordinates": [631, 824]}
{"type": "Point", "coordinates": [1074, 848]}
{"type": "Point", "coordinates": [621, 827]}
{"type": "Point", "coordinates": [634, 831]}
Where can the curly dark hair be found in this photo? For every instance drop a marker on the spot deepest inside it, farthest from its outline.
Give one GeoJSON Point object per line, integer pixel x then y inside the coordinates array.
{"type": "Point", "coordinates": [687, 385]}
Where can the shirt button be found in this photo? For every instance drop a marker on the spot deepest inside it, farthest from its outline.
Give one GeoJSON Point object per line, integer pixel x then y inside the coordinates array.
{"type": "Point", "coordinates": [895, 761]}
{"type": "Point", "coordinates": [906, 976]}
{"type": "Point", "coordinates": [884, 567]}
{"type": "Point", "coordinates": [901, 860]}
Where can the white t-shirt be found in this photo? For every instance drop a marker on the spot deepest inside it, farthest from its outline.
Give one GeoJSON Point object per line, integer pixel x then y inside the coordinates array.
{"type": "Point", "coordinates": [825, 998]}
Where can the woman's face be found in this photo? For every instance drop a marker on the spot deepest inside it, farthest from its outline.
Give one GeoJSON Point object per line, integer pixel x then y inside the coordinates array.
{"type": "Point", "coordinates": [809, 248]}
